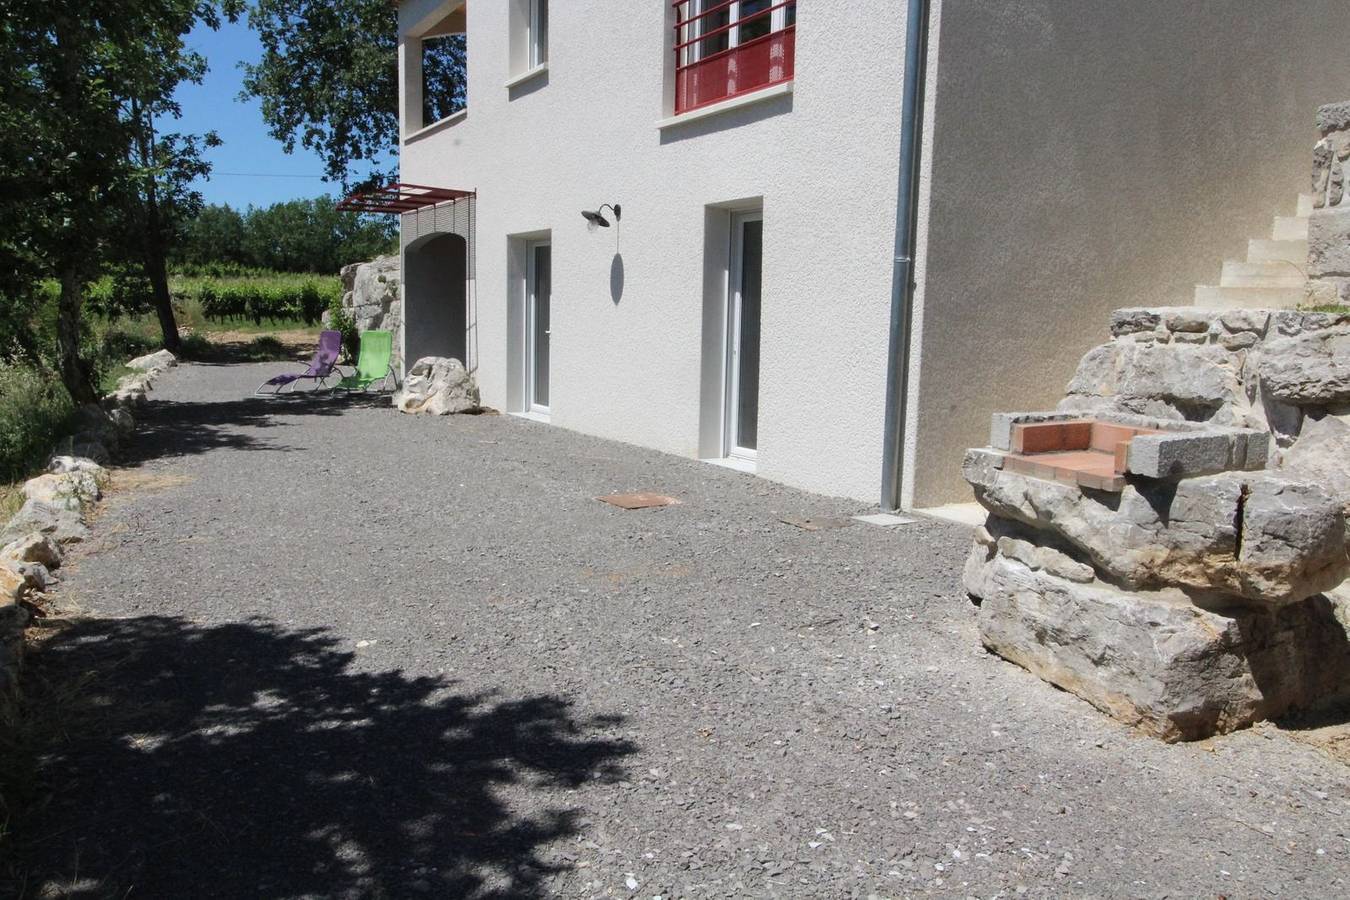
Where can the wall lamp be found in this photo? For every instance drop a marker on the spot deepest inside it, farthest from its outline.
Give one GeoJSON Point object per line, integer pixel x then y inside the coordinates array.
{"type": "Point", "coordinates": [596, 219]}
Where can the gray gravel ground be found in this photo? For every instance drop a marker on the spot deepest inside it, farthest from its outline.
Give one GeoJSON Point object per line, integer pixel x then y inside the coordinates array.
{"type": "Point", "coordinates": [347, 652]}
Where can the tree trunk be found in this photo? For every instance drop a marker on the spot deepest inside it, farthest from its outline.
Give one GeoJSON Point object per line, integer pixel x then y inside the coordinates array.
{"type": "Point", "coordinates": [74, 373]}
{"type": "Point", "coordinates": [156, 268]}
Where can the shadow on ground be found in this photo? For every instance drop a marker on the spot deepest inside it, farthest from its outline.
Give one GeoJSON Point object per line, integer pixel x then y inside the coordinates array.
{"type": "Point", "coordinates": [179, 428]}
{"type": "Point", "coordinates": [249, 760]}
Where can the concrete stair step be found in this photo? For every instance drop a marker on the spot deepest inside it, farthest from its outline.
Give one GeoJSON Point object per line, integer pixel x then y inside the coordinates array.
{"type": "Point", "coordinates": [1248, 297]}
{"type": "Point", "coordinates": [1260, 274]}
{"type": "Point", "coordinates": [1305, 205]}
{"type": "Point", "coordinates": [1290, 228]}
{"type": "Point", "coordinates": [1296, 252]}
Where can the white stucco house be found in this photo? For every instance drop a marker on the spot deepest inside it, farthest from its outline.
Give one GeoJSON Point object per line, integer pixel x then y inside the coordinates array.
{"type": "Point", "coordinates": [743, 304]}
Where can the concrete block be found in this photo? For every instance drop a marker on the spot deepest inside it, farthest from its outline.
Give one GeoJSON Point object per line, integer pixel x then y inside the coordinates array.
{"type": "Point", "coordinates": [1182, 455]}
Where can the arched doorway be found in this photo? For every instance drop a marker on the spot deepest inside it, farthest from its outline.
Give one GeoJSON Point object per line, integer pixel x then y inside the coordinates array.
{"type": "Point", "coordinates": [435, 315]}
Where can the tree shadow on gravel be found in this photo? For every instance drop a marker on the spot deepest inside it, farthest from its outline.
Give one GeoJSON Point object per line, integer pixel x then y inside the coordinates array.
{"type": "Point", "coordinates": [247, 760]}
{"type": "Point", "coordinates": [168, 428]}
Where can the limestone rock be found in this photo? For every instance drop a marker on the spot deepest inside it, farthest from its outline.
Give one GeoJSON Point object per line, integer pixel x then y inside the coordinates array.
{"type": "Point", "coordinates": [1255, 535]}
{"type": "Point", "coordinates": [154, 362]}
{"type": "Point", "coordinates": [1173, 380]}
{"type": "Point", "coordinates": [1155, 660]}
{"type": "Point", "coordinates": [437, 386]}
{"type": "Point", "coordinates": [1239, 320]}
{"type": "Point", "coordinates": [1131, 321]}
{"type": "Point", "coordinates": [33, 547]}
{"type": "Point", "coordinates": [1309, 369]}
{"type": "Point", "coordinates": [1190, 319]}
{"type": "Point", "coordinates": [1187, 375]}
{"type": "Point", "coordinates": [122, 421]}
{"type": "Point", "coordinates": [1321, 455]}
{"type": "Point", "coordinates": [67, 491]}
{"type": "Point", "coordinates": [19, 580]}
{"type": "Point", "coordinates": [13, 585]}
{"type": "Point", "coordinates": [371, 296]}
{"type": "Point", "coordinates": [65, 526]}
{"type": "Point", "coordinates": [68, 464]}
{"type": "Point", "coordinates": [1333, 117]}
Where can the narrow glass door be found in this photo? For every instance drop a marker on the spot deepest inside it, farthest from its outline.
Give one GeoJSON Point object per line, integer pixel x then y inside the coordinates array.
{"type": "Point", "coordinates": [743, 335]}
{"type": "Point", "coordinates": [540, 278]}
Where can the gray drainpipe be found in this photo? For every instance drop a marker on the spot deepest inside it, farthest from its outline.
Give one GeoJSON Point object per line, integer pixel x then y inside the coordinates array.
{"type": "Point", "coordinates": [902, 278]}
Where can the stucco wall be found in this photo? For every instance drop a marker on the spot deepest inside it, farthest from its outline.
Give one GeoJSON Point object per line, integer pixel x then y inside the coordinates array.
{"type": "Point", "coordinates": [822, 159]}
{"type": "Point", "coordinates": [1092, 156]}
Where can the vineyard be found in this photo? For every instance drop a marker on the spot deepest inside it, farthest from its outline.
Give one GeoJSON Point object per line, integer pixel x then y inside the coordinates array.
{"type": "Point", "coordinates": [272, 297]}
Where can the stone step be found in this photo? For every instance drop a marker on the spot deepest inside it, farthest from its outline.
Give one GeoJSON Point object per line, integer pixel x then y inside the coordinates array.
{"type": "Point", "coordinates": [1260, 274]}
{"type": "Point", "coordinates": [1248, 297]}
{"type": "Point", "coordinates": [1305, 205]}
{"type": "Point", "coordinates": [1296, 252]}
{"type": "Point", "coordinates": [1290, 228]}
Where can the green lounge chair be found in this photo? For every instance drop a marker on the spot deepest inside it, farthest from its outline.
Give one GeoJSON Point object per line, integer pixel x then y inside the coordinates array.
{"type": "Point", "coordinates": [373, 363]}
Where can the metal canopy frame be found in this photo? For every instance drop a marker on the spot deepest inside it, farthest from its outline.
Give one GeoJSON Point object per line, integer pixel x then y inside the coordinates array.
{"type": "Point", "coordinates": [398, 198]}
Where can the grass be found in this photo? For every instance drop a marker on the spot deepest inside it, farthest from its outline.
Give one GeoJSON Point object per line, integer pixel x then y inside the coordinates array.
{"type": "Point", "coordinates": [11, 498]}
{"type": "Point", "coordinates": [35, 410]}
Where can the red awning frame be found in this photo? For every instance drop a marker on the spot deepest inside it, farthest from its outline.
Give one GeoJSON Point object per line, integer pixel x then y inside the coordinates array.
{"type": "Point", "coordinates": [399, 198]}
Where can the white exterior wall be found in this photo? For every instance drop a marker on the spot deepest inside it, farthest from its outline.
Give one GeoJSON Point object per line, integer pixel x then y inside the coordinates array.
{"type": "Point", "coordinates": [1090, 156]}
{"type": "Point", "coordinates": [823, 159]}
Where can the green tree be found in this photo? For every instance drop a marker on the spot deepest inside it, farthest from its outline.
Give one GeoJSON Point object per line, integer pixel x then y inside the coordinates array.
{"type": "Point", "coordinates": [328, 79]}
{"type": "Point", "coordinates": [79, 78]}
{"type": "Point", "coordinates": [214, 236]}
{"type": "Point", "coordinates": [312, 236]}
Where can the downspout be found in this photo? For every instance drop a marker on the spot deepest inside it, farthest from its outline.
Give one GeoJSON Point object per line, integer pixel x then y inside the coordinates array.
{"type": "Point", "coordinates": [902, 277]}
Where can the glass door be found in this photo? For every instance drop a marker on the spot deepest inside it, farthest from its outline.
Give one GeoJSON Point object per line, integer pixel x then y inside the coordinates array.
{"type": "Point", "coordinates": [743, 315]}
{"type": "Point", "coordinates": [537, 329]}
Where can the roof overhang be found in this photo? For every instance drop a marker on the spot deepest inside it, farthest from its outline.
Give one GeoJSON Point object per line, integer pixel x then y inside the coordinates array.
{"type": "Point", "coordinates": [399, 198]}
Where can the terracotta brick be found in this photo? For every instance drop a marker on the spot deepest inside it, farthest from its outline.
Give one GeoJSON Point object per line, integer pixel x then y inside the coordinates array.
{"type": "Point", "coordinates": [1051, 437]}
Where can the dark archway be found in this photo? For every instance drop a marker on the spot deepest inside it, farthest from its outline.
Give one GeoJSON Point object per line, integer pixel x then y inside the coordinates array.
{"type": "Point", "coordinates": [435, 315]}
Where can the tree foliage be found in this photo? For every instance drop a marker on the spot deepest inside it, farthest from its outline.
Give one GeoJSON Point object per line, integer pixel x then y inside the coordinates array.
{"type": "Point", "coordinates": [328, 81]}
{"type": "Point", "coordinates": [292, 236]}
{"type": "Point", "coordinates": [79, 79]}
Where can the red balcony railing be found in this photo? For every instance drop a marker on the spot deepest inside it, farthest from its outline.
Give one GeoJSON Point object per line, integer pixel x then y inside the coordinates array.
{"type": "Point", "coordinates": [717, 57]}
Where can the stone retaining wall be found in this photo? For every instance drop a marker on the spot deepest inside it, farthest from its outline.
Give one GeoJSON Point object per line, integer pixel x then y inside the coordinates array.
{"type": "Point", "coordinates": [57, 505]}
{"type": "Point", "coordinates": [1185, 605]}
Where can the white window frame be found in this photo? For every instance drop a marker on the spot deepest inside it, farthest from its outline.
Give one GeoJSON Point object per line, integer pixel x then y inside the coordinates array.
{"type": "Point", "coordinates": [531, 301]}
{"type": "Point", "coordinates": [536, 34]}
{"type": "Point", "coordinates": [730, 428]}
{"type": "Point", "coordinates": [694, 52]}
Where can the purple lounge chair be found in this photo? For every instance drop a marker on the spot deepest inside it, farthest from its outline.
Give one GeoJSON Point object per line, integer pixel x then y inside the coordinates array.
{"type": "Point", "coordinates": [321, 366]}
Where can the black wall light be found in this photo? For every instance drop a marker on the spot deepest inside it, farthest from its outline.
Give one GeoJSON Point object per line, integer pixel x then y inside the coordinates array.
{"type": "Point", "coordinates": [596, 218]}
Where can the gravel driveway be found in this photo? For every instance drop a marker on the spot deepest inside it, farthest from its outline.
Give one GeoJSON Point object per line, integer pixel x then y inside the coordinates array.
{"type": "Point", "coordinates": [335, 651]}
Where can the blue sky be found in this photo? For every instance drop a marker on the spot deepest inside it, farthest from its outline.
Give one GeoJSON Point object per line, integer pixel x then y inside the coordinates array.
{"type": "Point", "coordinates": [251, 167]}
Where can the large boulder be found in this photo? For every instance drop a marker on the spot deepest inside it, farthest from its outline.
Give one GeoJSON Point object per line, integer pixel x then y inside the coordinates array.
{"type": "Point", "coordinates": [1321, 454]}
{"type": "Point", "coordinates": [68, 490]}
{"type": "Point", "coordinates": [34, 547]}
{"type": "Point", "coordinates": [371, 296]}
{"type": "Point", "coordinates": [1156, 660]}
{"type": "Point", "coordinates": [1309, 369]}
{"type": "Point", "coordinates": [153, 363]}
{"type": "Point", "coordinates": [438, 386]}
{"type": "Point", "coordinates": [1257, 535]}
{"type": "Point", "coordinates": [65, 526]}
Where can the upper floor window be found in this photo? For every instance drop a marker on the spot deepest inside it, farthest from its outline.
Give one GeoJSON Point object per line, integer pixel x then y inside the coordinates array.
{"type": "Point", "coordinates": [528, 23]}
{"type": "Point", "coordinates": [724, 48]}
{"type": "Point", "coordinates": [538, 38]}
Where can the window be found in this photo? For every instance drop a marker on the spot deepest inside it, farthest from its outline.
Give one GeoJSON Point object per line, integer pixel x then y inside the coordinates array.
{"type": "Point", "coordinates": [538, 39]}
{"type": "Point", "coordinates": [724, 48]}
{"type": "Point", "coordinates": [744, 283]}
